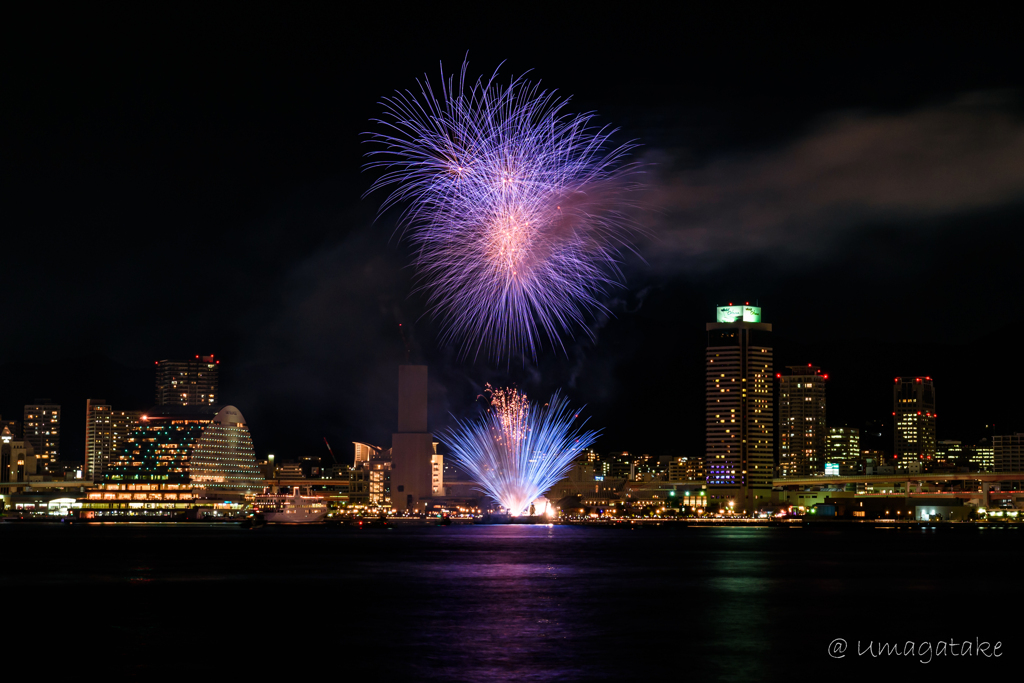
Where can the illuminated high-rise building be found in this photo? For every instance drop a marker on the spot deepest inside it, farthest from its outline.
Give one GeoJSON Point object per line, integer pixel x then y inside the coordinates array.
{"type": "Point", "coordinates": [913, 411]}
{"type": "Point", "coordinates": [843, 444]}
{"type": "Point", "coordinates": [106, 430]}
{"type": "Point", "coordinates": [802, 437]}
{"type": "Point", "coordinates": [122, 424]}
{"type": "Point", "coordinates": [98, 437]}
{"type": "Point", "coordinates": [740, 409]}
{"type": "Point", "coordinates": [187, 382]}
{"type": "Point", "coordinates": [41, 428]}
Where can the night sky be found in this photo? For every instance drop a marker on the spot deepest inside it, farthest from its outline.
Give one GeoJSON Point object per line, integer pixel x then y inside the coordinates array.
{"type": "Point", "coordinates": [179, 184]}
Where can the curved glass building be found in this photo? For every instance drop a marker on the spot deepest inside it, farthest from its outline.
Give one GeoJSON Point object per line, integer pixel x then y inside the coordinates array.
{"type": "Point", "coordinates": [178, 458]}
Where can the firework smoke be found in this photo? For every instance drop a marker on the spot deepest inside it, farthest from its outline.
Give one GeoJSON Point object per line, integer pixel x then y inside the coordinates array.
{"type": "Point", "coordinates": [515, 209]}
{"type": "Point", "coordinates": [516, 451]}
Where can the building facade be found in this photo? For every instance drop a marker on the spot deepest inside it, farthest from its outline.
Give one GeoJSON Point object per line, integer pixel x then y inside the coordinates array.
{"type": "Point", "coordinates": [414, 477]}
{"type": "Point", "coordinates": [17, 462]}
{"type": "Point", "coordinates": [982, 457]}
{"type": "Point", "coordinates": [740, 422]}
{"type": "Point", "coordinates": [686, 469]}
{"type": "Point", "coordinates": [98, 437]}
{"type": "Point", "coordinates": [913, 411]}
{"type": "Point", "coordinates": [180, 457]}
{"type": "Point", "coordinates": [803, 439]}
{"type": "Point", "coordinates": [187, 382]}
{"type": "Point", "coordinates": [950, 454]}
{"type": "Point", "coordinates": [106, 431]}
{"type": "Point", "coordinates": [843, 443]}
{"type": "Point", "coordinates": [40, 426]}
{"type": "Point", "coordinates": [1008, 453]}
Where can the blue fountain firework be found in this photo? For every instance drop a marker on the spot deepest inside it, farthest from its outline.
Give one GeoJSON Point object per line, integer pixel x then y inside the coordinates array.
{"type": "Point", "coordinates": [516, 209]}
{"type": "Point", "coordinates": [516, 451]}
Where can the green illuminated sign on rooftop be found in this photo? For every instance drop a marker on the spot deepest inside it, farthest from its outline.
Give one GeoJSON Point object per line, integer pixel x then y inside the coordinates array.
{"type": "Point", "coordinates": [731, 314]}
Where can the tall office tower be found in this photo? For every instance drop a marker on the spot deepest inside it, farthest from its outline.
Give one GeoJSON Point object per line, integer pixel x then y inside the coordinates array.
{"type": "Point", "coordinates": [41, 428]}
{"type": "Point", "coordinates": [740, 409]}
{"type": "Point", "coordinates": [802, 437]}
{"type": "Point", "coordinates": [412, 446]}
{"type": "Point", "coordinates": [913, 412]}
{"type": "Point", "coordinates": [187, 382]}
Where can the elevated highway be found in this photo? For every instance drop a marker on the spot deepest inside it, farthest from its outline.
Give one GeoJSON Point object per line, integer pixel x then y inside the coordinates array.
{"type": "Point", "coordinates": [790, 482]}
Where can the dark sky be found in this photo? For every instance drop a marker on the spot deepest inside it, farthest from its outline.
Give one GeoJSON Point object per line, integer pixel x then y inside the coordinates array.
{"type": "Point", "coordinates": [177, 183]}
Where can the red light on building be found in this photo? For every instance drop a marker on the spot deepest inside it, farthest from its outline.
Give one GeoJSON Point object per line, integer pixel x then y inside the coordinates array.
{"type": "Point", "coordinates": [826, 375]}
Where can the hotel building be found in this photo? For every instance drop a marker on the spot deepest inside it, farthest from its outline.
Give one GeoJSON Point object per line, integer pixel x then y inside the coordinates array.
{"type": "Point", "coordinates": [179, 457]}
{"type": "Point", "coordinates": [802, 436]}
{"type": "Point", "coordinates": [740, 422]}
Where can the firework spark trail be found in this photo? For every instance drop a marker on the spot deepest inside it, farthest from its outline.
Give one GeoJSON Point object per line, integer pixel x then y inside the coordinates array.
{"type": "Point", "coordinates": [515, 209]}
{"type": "Point", "coordinates": [516, 451]}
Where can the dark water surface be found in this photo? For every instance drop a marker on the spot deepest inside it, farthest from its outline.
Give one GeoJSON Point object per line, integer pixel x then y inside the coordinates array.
{"type": "Point", "coordinates": [522, 603]}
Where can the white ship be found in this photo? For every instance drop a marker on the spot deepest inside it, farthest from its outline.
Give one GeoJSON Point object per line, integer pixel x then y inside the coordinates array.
{"type": "Point", "coordinates": [278, 508]}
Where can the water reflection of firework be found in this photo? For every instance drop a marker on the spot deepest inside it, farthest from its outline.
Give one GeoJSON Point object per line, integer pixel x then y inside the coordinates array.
{"type": "Point", "coordinates": [516, 451]}
{"type": "Point", "coordinates": [514, 207]}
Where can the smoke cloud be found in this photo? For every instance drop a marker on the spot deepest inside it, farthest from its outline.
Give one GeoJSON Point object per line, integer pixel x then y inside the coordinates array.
{"type": "Point", "coordinates": [852, 169]}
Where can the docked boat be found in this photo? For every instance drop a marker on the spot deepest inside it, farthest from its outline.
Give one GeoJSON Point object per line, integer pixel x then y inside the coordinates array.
{"type": "Point", "coordinates": [293, 508]}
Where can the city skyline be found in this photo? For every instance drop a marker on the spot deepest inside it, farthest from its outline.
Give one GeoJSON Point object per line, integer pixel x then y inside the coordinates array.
{"type": "Point", "coordinates": [289, 278]}
{"type": "Point", "coordinates": [963, 419]}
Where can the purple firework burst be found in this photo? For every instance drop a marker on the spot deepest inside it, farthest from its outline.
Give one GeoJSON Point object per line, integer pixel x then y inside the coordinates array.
{"type": "Point", "coordinates": [515, 209]}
